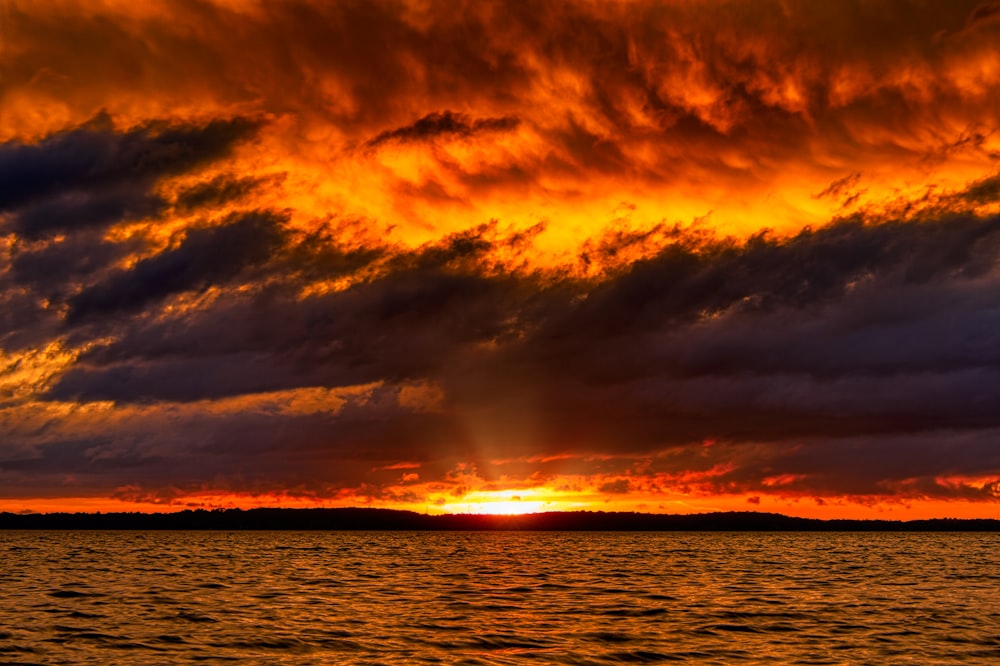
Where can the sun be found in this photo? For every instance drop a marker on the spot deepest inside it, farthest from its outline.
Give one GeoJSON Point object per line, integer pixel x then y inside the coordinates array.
{"type": "Point", "coordinates": [498, 503]}
{"type": "Point", "coordinates": [508, 508]}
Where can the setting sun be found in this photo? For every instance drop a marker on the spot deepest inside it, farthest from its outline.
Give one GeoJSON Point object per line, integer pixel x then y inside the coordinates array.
{"type": "Point", "coordinates": [510, 502]}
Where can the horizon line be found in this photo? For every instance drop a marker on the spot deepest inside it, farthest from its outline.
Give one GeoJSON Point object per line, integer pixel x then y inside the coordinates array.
{"type": "Point", "coordinates": [387, 519]}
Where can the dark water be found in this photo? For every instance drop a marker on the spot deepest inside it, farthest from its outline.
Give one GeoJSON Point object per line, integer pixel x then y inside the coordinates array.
{"type": "Point", "coordinates": [498, 598]}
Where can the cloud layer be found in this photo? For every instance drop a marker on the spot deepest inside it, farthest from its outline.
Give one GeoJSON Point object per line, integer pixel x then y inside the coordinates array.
{"type": "Point", "coordinates": [560, 250]}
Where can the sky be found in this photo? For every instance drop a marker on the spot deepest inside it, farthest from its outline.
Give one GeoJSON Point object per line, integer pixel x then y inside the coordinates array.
{"type": "Point", "coordinates": [667, 256]}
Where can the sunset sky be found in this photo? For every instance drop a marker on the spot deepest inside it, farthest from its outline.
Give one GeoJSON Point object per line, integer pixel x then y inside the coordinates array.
{"type": "Point", "coordinates": [450, 256]}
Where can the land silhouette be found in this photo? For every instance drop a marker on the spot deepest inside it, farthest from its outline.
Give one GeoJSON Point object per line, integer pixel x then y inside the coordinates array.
{"type": "Point", "coordinates": [389, 519]}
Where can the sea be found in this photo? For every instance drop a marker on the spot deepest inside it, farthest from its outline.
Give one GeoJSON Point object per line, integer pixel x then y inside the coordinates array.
{"type": "Point", "coordinates": [104, 597]}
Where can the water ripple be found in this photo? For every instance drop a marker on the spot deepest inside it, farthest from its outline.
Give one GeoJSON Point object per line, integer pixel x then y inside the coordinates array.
{"type": "Point", "coordinates": [498, 598]}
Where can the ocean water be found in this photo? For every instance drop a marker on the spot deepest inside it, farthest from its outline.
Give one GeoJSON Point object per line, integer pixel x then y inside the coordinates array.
{"type": "Point", "coordinates": [498, 598]}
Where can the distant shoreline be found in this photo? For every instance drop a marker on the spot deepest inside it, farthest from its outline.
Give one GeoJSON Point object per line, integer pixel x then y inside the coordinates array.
{"type": "Point", "coordinates": [395, 520]}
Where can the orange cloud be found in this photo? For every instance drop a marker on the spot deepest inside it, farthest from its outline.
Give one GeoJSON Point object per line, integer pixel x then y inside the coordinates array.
{"type": "Point", "coordinates": [480, 254]}
{"type": "Point", "coordinates": [675, 108]}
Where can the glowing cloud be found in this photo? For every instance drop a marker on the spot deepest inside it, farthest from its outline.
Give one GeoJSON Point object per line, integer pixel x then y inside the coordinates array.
{"type": "Point", "coordinates": [497, 257]}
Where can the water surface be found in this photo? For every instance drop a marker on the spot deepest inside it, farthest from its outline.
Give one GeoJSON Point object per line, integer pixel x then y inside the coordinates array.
{"type": "Point", "coordinates": [498, 598]}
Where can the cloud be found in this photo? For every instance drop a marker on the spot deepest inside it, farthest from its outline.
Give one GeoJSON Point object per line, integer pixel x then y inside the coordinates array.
{"type": "Point", "coordinates": [679, 107]}
{"type": "Point", "coordinates": [987, 11]}
{"type": "Point", "coordinates": [62, 194]}
{"type": "Point", "coordinates": [184, 448]}
{"type": "Point", "coordinates": [819, 323]}
{"type": "Point", "coordinates": [617, 487]}
{"type": "Point", "coordinates": [207, 256]}
{"type": "Point", "coordinates": [443, 123]}
{"type": "Point", "coordinates": [77, 211]}
{"type": "Point", "coordinates": [986, 190]}
{"type": "Point", "coordinates": [55, 267]}
{"type": "Point", "coordinates": [217, 192]}
{"type": "Point", "coordinates": [910, 467]}
{"type": "Point", "coordinates": [94, 157]}
{"type": "Point", "coordinates": [418, 309]}
{"type": "Point", "coordinates": [848, 330]}
{"type": "Point", "coordinates": [874, 335]}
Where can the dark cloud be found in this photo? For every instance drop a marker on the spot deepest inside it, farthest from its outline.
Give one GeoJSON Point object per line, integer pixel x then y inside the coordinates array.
{"type": "Point", "coordinates": [206, 256]}
{"type": "Point", "coordinates": [79, 211]}
{"type": "Point", "coordinates": [55, 267]}
{"type": "Point", "coordinates": [62, 193]}
{"type": "Point", "coordinates": [984, 191]}
{"type": "Point", "coordinates": [443, 123]}
{"type": "Point", "coordinates": [221, 375]}
{"type": "Point", "coordinates": [420, 309]}
{"type": "Point", "coordinates": [986, 11]}
{"type": "Point", "coordinates": [840, 187]}
{"type": "Point", "coordinates": [68, 456]}
{"type": "Point", "coordinates": [843, 331]}
{"type": "Point", "coordinates": [95, 157]}
{"type": "Point", "coordinates": [616, 487]}
{"type": "Point", "coordinates": [152, 452]}
{"type": "Point", "coordinates": [334, 251]}
{"type": "Point", "coordinates": [910, 466]}
{"type": "Point", "coordinates": [216, 192]}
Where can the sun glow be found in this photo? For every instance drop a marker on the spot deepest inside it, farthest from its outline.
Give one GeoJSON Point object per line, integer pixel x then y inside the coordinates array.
{"type": "Point", "coordinates": [501, 502]}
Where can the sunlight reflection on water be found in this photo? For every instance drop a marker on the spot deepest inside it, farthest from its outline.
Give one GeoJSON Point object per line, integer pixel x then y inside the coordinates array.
{"type": "Point", "coordinates": [498, 598]}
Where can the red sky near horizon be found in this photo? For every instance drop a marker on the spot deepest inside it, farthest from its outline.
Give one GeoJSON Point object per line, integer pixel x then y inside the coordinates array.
{"type": "Point", "coordinates": [501, 256]}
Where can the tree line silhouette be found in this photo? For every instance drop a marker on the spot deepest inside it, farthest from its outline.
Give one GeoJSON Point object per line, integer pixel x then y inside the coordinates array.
{"type": "Point", "coordinates": [389, 519]}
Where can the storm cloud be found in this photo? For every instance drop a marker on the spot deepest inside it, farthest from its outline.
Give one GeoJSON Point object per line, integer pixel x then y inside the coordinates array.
{"type": "Point", "coordinates": [846, 333]}
{"type": "Point", "coordinates": [207, 256]}
{"type": "Point", "coordinates": [400, 253]}
{"type": "Point", "coordinates": [95, 175]}
{"type": "Point", "coordinates": [443, 123]}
